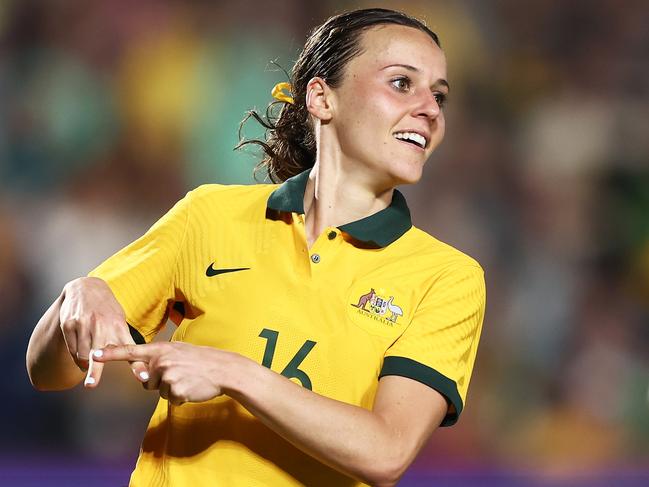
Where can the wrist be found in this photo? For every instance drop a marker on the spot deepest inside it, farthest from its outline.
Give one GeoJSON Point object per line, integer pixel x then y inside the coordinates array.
{"type": "Point", "coordinates": [239, 375]}
{"type": "Point", "coordinates": [75, 285]}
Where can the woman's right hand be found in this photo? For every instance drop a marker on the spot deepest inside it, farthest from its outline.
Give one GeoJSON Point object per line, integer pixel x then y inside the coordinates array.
{"type": "Point", "coordinates": [91, 318]}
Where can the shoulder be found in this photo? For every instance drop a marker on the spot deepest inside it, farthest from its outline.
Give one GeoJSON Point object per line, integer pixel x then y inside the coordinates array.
{"type": "Point", "coordinates": [433, 254]}
{"type": "Point", "coordinates": [429, 267]}
{"type": "Point", "coordinates": [230, 193]}
{"type": "Point", "coordinates": [215, 199]}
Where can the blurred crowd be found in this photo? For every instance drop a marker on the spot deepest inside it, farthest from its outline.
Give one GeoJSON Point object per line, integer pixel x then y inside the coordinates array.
{"type": "Point", "coordinates": [111, 110]}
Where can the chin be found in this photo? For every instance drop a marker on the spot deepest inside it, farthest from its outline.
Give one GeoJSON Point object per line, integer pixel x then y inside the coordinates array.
{"type": "Point", "coordinates": [409, 173]}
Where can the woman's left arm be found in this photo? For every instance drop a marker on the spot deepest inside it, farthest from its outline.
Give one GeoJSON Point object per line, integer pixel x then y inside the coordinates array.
{"type": "Point", "coordinates": [375, 447]}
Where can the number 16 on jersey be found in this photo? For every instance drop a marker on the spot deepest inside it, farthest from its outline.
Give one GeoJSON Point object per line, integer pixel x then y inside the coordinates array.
{"type": "Point", "coordinates": [291, 371]}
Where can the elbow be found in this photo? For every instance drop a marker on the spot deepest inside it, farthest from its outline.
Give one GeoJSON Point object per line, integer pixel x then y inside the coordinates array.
{"type": "Point", "coordinates": [36, 379]}
{"type": "Point", "coordinates": [387, 472]}
{"type": "Point", "coordinates": [39, 386]}
{"type": "Point", "coordinates": [43, 381]}
{"type": "Point", "coordinates": [43, 385]}
{"type": "Point", "coordinates": [32, 373]}
{"type": "Point", "coordinates": [388, 461]}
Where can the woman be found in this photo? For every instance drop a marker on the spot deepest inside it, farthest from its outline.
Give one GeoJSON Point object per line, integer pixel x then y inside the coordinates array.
{"type": "Point", "coordinates": [321, 337]}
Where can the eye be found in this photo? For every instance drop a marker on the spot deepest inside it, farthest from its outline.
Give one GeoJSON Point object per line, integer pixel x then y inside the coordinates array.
{"type": "Point", "coordinates": [401, 83]}
{"type": "Point", "coordinates": [441, 99]}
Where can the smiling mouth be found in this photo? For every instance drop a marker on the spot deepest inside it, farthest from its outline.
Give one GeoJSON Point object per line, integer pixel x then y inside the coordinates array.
{"type": "Point", "coordinates": [412, 138]}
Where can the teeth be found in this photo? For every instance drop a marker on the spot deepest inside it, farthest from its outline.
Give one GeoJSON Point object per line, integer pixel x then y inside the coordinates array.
{"type": "Point", "coordinates": [420, 140]}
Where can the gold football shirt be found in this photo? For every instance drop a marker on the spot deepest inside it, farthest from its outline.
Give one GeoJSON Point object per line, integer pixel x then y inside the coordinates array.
{"type": "Point", "coordinates": [230, 265]}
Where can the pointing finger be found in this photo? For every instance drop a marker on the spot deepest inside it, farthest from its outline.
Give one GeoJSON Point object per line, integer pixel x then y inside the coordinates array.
{"type": "Point", "coordinates": [96, 367]}
{"type": "Point", "coordinates": [126, 353]}
{"type": "Point", "coordinates": [139, 368]}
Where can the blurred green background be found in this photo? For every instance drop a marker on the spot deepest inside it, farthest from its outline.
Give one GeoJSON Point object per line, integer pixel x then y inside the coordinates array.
{"type": "Point", "coordinates": [111, 110]}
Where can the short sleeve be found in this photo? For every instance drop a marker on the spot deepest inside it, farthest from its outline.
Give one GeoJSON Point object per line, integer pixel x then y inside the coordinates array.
{"type": "Point", "coordinates": [439, 347]}
{"type": "Point", "coordinates": [142, 275]}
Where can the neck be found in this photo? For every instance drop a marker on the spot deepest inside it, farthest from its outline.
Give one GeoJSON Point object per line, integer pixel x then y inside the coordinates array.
{"type": "Point", "coordinates": [336, 194]}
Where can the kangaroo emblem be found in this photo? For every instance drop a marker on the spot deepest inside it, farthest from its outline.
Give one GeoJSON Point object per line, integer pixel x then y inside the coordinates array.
{"type": "Point", "coordinates": [364, 299]}
{"type": "Point", "coordinates": [395, 310]}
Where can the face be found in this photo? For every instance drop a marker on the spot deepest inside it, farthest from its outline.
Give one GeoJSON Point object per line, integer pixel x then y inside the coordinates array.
{"type": "Point", "coordinates": [387, 113]}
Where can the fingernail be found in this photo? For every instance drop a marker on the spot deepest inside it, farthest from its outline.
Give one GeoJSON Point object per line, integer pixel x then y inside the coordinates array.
{"type": "Point", "coordinates": [144, 376]}
{"type": "Point", "coordinates": [98, 353]}
{"type": "Point", "coordinates": [89, 380]}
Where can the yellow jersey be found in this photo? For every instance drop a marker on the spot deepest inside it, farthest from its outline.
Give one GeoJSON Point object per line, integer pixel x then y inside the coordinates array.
{"type": "Point", "coordinates": [231, 266]}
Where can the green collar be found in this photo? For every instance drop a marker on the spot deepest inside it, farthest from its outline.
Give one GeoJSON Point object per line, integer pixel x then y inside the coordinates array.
{"type": "Point", "coordinates": [381, 228]}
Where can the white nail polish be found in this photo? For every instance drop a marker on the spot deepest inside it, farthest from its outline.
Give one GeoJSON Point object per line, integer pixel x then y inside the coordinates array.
{"type": "Point", "coordinates": [144, 376]}
{"type": "Point", "coordinates": [98, 353]}
{"type": "Point", "coordinates": [89, 380]}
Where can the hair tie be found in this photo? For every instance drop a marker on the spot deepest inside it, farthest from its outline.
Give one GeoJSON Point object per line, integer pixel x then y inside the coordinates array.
{"type": "Point", "coordinates": [281, 95]}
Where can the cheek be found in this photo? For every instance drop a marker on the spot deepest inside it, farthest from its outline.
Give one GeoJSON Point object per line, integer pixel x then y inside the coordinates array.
{"type": "Point", "coordinates": [386, 104]}
{"type": "Point", "coordinates": [366, 115]}
{"type": "Point", "coordinates": [369, 100]}
{"type": "Point", "coordinates": [440, 130]}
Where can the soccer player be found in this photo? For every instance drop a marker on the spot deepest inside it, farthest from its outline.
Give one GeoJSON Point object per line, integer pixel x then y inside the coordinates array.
{"type": "Point", "coordinates": [321, 337]}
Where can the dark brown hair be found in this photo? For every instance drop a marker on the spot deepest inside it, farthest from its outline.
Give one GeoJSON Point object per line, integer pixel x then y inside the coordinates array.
{"type": "Point", "coordinates": [289, 145]}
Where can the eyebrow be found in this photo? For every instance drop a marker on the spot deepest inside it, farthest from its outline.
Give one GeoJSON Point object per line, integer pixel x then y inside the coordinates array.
{"type": "Point", "coordinates": [439, 82]}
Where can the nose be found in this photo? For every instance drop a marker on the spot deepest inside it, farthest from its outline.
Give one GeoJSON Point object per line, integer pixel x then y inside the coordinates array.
{"type": "Point", "coordinates": [427, 106]}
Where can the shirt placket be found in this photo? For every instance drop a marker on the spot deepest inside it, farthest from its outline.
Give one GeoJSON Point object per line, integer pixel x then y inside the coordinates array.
{"type": "Point", "coordinates": [323, 253]}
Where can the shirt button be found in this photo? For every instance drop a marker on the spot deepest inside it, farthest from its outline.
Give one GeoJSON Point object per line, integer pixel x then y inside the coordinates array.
{"type": "Point", "coordinates": [315, 258]}
{"type": "Point", "coordinates": [331, 235]}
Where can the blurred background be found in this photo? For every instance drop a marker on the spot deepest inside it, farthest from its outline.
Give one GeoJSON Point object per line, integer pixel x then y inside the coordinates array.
{"type": "Point", "coordinates": [111, 110]}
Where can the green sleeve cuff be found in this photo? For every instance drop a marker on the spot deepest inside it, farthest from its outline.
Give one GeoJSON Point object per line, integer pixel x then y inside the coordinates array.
{"type": "Point", "coordinates": [136, 335]}
{"type": "Point", "coordinates": [406, 367]}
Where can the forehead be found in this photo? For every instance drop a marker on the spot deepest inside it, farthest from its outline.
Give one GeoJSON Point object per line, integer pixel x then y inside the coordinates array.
{"type": "Point", "coordinates": [384, 45]}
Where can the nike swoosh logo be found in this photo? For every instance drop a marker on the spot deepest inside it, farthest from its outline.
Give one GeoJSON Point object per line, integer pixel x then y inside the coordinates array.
{"type": "Point", "coordinates": [211, 271]}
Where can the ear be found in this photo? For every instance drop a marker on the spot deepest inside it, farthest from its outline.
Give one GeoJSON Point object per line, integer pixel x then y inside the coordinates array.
{"type": "Point", "coordinates": [318, 99]}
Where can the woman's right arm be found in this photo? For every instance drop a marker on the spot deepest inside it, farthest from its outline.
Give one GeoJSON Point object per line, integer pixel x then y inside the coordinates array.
{"type": "Point", "coordinates": [86, 316]}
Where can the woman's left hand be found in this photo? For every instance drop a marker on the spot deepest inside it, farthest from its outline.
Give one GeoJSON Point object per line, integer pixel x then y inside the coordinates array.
{"type": "Point", "coordinates": [180, 371]}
